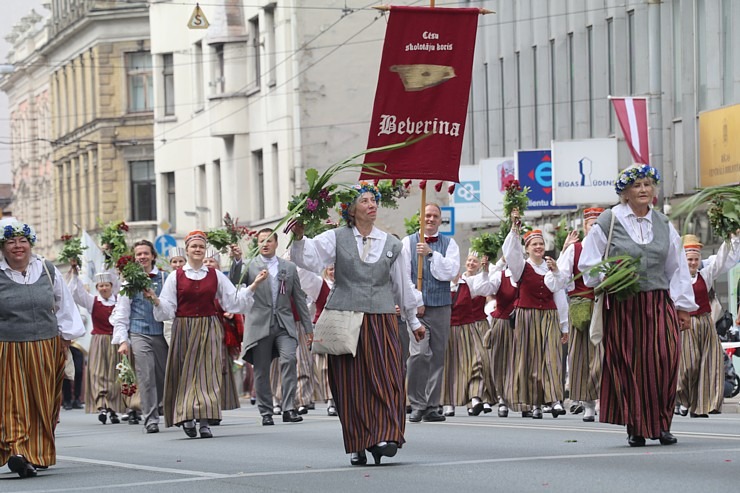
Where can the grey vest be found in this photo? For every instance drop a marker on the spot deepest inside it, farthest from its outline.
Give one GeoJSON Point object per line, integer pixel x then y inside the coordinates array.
{"type": "Point", "coordinates": [652, 255]}
{"type": "Point", "coordinates": [142, 311]}
{"type": "Point", "coordinates": [435, 292]}
{"type": "Point", "coordinates": [27, 310]}
{"type": "Point", "coordinates": [359, 286]}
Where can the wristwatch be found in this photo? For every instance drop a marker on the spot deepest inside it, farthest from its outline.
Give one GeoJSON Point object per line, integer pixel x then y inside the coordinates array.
{"type": "Point", "coordinates": [430, 254]}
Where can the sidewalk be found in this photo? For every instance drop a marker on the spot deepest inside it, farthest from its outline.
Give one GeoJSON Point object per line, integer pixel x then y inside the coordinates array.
{"type": "Point", "coordinates": [731, 405]}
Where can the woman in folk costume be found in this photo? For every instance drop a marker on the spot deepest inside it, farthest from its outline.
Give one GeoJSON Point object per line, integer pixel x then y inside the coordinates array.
{"type": "Point", "coordinates": [40, 320]}
{"type": "Point", "coordinates": [535, 376]}
{"type": "Point", "coordinates": [194, 378]}
{"type": "Point", "coordinates": [368, 388]}
{"type": "Point", "coordinates": [584, 358]}
{"type": "Point", "coordinates": [176, 257]}
{"type": "Point", "coordinates": [467, 374]}
{"type": "Point", "coordinates": [641, 342]}
{"type": "Point", "coordinates": [102, 389]}
{"type": "Point", "coordinates": [701, 370]}
{"type": "Point", "coordinates": [233, 325]}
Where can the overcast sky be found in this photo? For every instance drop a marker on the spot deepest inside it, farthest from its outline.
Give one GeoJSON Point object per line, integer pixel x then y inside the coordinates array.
{"type": "Point", "coordinates": [13, 10]}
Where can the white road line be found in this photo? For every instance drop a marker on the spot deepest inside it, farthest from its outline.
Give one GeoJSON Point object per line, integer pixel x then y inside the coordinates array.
{"type": "Point", "coordinates": [141, 467]}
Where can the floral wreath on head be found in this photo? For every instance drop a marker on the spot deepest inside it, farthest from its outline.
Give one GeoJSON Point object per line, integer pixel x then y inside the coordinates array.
{"type": "Point", "coordinates": [349, 195]}
{"type": "Point", "coordinates": [634, 173]}
{"type": "Point", "coordinates": [16, 229]}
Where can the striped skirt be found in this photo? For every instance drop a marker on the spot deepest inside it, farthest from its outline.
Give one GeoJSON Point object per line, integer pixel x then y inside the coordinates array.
{"type": "Point", "coordinates": [369, 389]}
{"type": "Point", "coordinates": [498, 339]}
{"type": "Point", "coordinates": [584, 366]}
{"type": "Point", "coordinates": [467, 366]}
{"type": "Point", "coordinates": [536, 369]}
{"type": "Point", "coordinates": [229, 392]}
{"type": "Point", "coordinates": [321, 390]}
{"type": "Point", "coordinates": [31, 375]}
{"type": "Point", "coordinates": [193, 378]}
{"type": "Point", "coordinates": [102, 389]}
{"type": "Point", "coordinates": [640, 366]}
{"type": "Point", "coordinates": [701, 376]}
{"type": "Point", "coordinates": [304, 373]}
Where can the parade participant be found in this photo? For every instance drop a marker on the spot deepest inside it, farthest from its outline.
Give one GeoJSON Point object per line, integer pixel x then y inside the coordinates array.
{"type": "Point", "coordinates": [271, 325]}
{"type": "Point", "coordinates": [102, 389]}
{"type": "Point", "coordinates": [193, 380]}
{"type": "Point", "coordinates": [467, 374]}
{"type": "Point", "coordinates": [584, 358]}
{"type": "Point", "coordinates": [137, 331]}
{"type": "Point", "coordinates": [441, 264]}
{"type": "Point", "coordinates": [641, 340]}
{"type": "Point", "coordinates": [176, 257]}
{"type": "Point", "coordinates": [72, 388]}
{"type": "Point", "coordinates": [369, 278]}
{"type": "Point", "coordinates": [39, 321]}
{"type": "Point", "coordinates": [233, 325]}
{"type": "Point", "coordinates": [701, 368]}
{"type": "Point", "coordinates": [536, 375]}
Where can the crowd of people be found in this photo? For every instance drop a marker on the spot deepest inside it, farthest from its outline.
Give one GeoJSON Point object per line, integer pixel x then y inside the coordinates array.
{"type": "Point", "coordinates": [511, 334]}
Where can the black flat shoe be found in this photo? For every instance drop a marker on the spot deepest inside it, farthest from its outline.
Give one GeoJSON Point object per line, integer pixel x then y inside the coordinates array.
{"type": "Point", "coordinates": [267, 420]}
{"type": "Point", "coordinates": [503, 411]}
{"type": "Point", "coordinates": [666, 438]}
{"type": "Point", "coordinates": [526, 414]}
{"type": "Point", "coordinates": [291, 416]}
{"type": "Point", "coordinates": [114, 418]}
{"type": "Point", "coordinates": [383, 449]}
{"type": "Point", "coordinates": [358, 458]}
{"type": "Point", "coordinates": [19, 465]}
{"type": "Point", "coordinates": [415, 416]}
{"type": "Point", "coordinates": [331, 411]}
{"type": "Point", "coordinates": [205, 432]}
{"type": "Point", "coordinates": [192, 432]}
{"type": "Point", "coordinates": [694, 415]}
{"type": "Point", "coordinates": [102, 416]}
{"type": "Point", "coordinates": [302, 410]}
{"type": "Point", "coordinates": [477, 408]}
{"type": "Point", "coordinates": [432, 415]}
{"type": "Point", "coordinates": [536, 414]}
{"type": "Point", "coordinates": [636, 441]}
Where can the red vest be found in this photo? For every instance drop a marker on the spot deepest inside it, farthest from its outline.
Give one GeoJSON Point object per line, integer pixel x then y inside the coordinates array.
{"type": "Point", "coordinates": [478, 307]}
{"type": "Point", "coordinates": [321, 301]}
{"type": "Point", "coordinates": [580, 289]}
{"type": "Point", "coordinates": [532, 291]}
{"type": "Point", "coordinates": [701, 296]}
{"type": "Point", "coordinates": [196, 298]}
{"type": "Point", "coordinates": [462, 309]}
{"type": "Point", "coordinates": [100, 318]}
{"type": "Point", "coordinates": [505, 298]}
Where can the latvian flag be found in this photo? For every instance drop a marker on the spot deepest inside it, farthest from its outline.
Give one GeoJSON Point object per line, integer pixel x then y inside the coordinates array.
{"type": "Point", "coordinates": [633, 118]}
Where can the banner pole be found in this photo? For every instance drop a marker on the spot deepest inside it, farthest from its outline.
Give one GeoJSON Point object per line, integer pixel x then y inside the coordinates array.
{"type": "Point", "coordinates": [422, 239]}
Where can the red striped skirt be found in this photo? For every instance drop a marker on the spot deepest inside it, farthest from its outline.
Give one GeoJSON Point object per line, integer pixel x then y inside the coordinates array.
{"type": "Point", "coordinates": [640, 366]}
{"type": "Point", "coordinates": [369, 389]}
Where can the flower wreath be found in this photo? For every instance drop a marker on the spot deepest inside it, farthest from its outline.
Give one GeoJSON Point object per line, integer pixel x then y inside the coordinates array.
{"type": "Point", "coordinates": [634, 173]}
{"type": "Point", "coordinates": [15, 229]}
{"type": "Point", "coordinates": [351, 194]}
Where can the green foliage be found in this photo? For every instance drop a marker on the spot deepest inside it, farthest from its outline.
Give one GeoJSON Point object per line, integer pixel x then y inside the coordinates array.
{"type": "Point", "coordinates": [412, 224]}
{"type": "Point", "coordinates": [71, 250]}
{"type": "Point", "coordinates": [723, 212]}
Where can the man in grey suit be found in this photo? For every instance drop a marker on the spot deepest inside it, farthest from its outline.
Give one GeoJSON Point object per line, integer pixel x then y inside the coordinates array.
{"type": "Point", "coordinates": [270, 326]}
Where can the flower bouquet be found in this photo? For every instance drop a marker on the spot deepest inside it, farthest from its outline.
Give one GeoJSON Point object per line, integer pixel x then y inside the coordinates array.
{"type": "Point", "coordinates": [230, 234]}
{"type": "Point", "coordinates": [113, 241]}
{"type": "Point", "coordinates": [126, 377]}
{"type": "Point", "coordinates": [71, 250]}
{"type": "Point", "coordinates": [135, 280]}
{"type": "Point", "coordinates": [488, 244]}
{"type": "Point", "coordinates": [723, 212]}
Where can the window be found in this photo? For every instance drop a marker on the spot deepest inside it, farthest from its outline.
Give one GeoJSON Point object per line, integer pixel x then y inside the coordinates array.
{"type": "Point", "coordinates": [518, 102]}
{"type": "Point", "coordinates": [553, 91]}
{"type": "Point", "coordinates": [259, 182]}
{"type": "Point", "coordinates": [535, 98]}
{"type": "Point", "coordinates": [571, 86]}
{"type": "Point", "coordinates": [701, 53]}
{"type": "Point", "coordinates": [198, 75]}
{"type": "Point", "coordinates": [219, 77]}
{"type": "Point", "coordinates": [631, 54]}
{"type": "Point", "coordinates": [216, 201]}
{"type": "Point", "coordinates": [502, 105]}
{"type": "Point", "coordinates": [610, 70]}
{"type": "Point", "coordinates": [728, 76]}
{"type": "Point", "coordinates": [143, 191]}
{"type": "Point", "coordinates": [253, 65]}
{"type": "Point", "coordinates": [275, 177]}
{"type": "Point", "coordinates": [271, 44]}
{"type": "Point", "coordinates": [139, 75]}
{"type": "Point", "coordinates": [169, 180]}
{"type": "Point", "coordinates": [590, 61]}
{"type": "Point", "coordinates": [168, 78]}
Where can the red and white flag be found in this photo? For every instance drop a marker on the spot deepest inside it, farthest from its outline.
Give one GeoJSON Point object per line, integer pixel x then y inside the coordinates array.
{"type": "Point", "coordinates": [633, 118]}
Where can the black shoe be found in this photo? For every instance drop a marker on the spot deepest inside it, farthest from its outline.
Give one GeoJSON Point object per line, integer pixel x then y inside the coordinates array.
{"type": "Point", "coordinates": [476, 408]}
{"type": "Point", "coordinates": [487, 408]}
{"type": "Point", "coordinates": [589, 419]}
{"type": "Point", "coordinates": [385, 449]}
{"type": "Point", "coordinates": [526, 414]}
{"type": "Point", "coordinates": [214, 422]}
{"type": "Point", "coordinates": [291, 416]}
{"type": "Point", "coordinates": [102, 416]}
{"type": "Point", "coordinates": [18, 464]}
{"type": "Point", "coordinates": [267, 420]}
{"type": "Point", "coordinates": [432, 416]}
{"type": "Point", "coordinates": [133, 418]}
{"type": "Point", "coordinates": [576, 408]}
{"type": "Point", "coordinates": [536, 413]}
{"type": "Point", "coordinates": [114, 418]}
{"type": "Point", "coordinates": [67, 405]}
{"type": "Point", "coordinates": [636, 441]}
{"type": "Point", "coordinates": [312, 406]}
{"type": "Point", "coordinates": [190, 431]}
{"type": "Point", "coordinates": [331, 411]}
{"type": "Point", "coordinates": [694, 415]}
{"type": "Point", "coordinates": [666, 438]}
{"type": "Point", "coordinates": [154, 428]}
{"type": "Point", "coordinates": [415, 416]}
{"type": "Point", "coordinates": [503, 411]}
{"type": "Point", "coordinates": [408, 409]}
{"type": "Point", "coordinates": [76, 404]}
{"type": "Point", "coordinates": [358, 458]}
{"type": "Point", "coordinates": [205, 432]}
{"type": "Point", "coordinates": [253, 400]}
{"type": "Point", "coordinates": [302, 410]}
{"type": "Point", "coordinates": [277, 410]}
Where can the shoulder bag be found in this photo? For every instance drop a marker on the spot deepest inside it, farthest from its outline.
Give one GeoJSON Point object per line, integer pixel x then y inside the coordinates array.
{"type": "Point", "coordinates": [596, 329]}
{"type": "Point", "coordinates": [337, 332]}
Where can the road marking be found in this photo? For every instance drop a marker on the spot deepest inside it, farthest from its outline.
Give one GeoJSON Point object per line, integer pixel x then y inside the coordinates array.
{"type": "Point", "coordinates": [141, 467]}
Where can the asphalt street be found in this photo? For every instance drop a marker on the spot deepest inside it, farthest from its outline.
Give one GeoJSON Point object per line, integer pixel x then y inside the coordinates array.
{"type": "Point", "coordinates": [462, 454]}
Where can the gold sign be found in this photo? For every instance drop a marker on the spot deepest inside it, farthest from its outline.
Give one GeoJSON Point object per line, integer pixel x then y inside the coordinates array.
{"type": "Point", "coordinates": [198, 19]}
{"type": "Point", "coordinates": [719, 147]}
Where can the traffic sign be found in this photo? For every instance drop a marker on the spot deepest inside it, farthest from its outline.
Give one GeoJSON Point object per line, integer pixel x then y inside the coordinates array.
{"type": "Point", "coordinates": [447, 227]}
{"type": "Point", "coordinates": [163, 243]}
{"type": "Point", "coordinates": [198, 19]}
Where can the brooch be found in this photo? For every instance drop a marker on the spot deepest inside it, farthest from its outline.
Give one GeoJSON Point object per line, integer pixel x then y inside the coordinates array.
{"type": "Point", "coordinates": [389, 254]}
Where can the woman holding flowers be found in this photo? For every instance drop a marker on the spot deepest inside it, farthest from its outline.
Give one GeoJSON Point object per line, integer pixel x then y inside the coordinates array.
{"type": "Point", "coordinates": [369, 388]}
{"type": "Point", "coordinates": [641, 333]}
{"type": "Point", "coordinates": [701, 370]}
{"type": "Point", "coordinates": [535, 376]}
{"type": "Point", "coordinates": [193, 377]}
{"type": "Point", "coordinates": [39, 321]}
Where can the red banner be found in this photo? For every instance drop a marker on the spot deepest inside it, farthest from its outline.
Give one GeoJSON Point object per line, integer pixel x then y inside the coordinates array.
{"type": "Point", "coordinates": [632, 114]}
{"type": "Point", "coordinates": [423, 88]}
